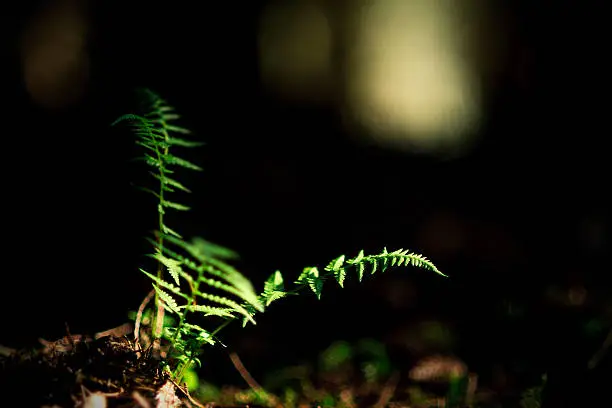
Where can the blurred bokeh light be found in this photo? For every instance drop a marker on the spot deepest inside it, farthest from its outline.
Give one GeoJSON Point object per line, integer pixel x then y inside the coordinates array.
{"type": "Point", "coordinates": [295, 47]}
{"type": "Point", "coordinates": [408, 81]}
{"type": "Point", "coordinates": [408, 74]}
{"type": "Point", "coordinates": [54, 57]}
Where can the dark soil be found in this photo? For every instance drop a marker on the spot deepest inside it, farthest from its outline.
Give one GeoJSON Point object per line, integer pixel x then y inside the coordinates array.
{"type": "Point", "coordinates": [78, 371]}
{"type": "Point", "coordinates": [109, 370]}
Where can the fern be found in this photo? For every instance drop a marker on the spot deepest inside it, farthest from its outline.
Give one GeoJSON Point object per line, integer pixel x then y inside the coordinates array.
{"type": "Point", "coordinates": [193, 277]}
{"type": "Point", "coordinates": [181, 277]}
{"type": "Point", "coordinates": [311, 278]}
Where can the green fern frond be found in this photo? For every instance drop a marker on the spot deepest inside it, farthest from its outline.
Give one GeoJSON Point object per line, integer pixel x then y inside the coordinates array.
{"type": "Point", "coordinates": [167, 285]}
{"type": "Point", "coordinates": [201, 333]}
{"type": "Point", "coordinates": [167, 181]}
{"type": "Point", "coordinates": [190, 337]}
{"type": "Point", "coordinates": [169, 302]}
{"type": "Point", "coordinates": [227, 302]}
{"type": "Point", "coordinates": [310, 276]}
{"type": "Point", "coordinates": [174, 268]}
{"type": "Point", "coordinates": [208, 310]}
{"type": "Point", "coordinates": [213, 283]}
{"type": "Point", "coordinates": [178, 129]}
{"type": "Point", "coordinates": [173, 205]}
{"type": "Point", "coordinates": [173, 265]}
{"type": "Point", "coordinates": [176, 141]}
{"type": "Point", "coordinates": [212, 250]}
{"type": "Point", "coordinates": [203, 250]}
{"type": "Point", "coordinates": [371, 263]}
{"type": "Point", "coordinates": [337, 268]}
{"type": "Point", "coordinates": [215, 267]}
{"type": "Point", "coordinates": [168, 231]}
{"type": "Point", "coordinates": [385, 260]}
{"type": "Point", "coordinates": [222, 270]}
{"type": "Point", "coordinates": [236, 283]}
{"type": "Point", "coordinates": [170, 159]}
{"type": "Point", "coordinates": [274, 289]}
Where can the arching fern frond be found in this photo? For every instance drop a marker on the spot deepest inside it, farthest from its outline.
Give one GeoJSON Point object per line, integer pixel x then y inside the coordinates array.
{"type": "Point", "coordinates": [211, 271]}
{"type": "Point", "coordinates": [313, 279]}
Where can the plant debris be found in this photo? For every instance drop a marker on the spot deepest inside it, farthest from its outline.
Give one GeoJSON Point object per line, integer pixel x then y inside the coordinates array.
{"type": "Point", "coordinates": [81, 371]}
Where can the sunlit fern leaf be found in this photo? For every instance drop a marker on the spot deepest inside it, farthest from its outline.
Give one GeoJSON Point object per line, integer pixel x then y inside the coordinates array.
{"type": "Point", "coordinates": [218, 269]}
{"type": "Point", "coordinates": [310, 276]}
{"type": "Point", "coordinates": [189, 338]}
{"type": "Point", "coordinates": [152, 161]}
{"type": "Point", "coordinates": [232, 305]}
{"type": "Point", "coordinates": [204, 250]}
{"type": "Point", "coordinates": [177, 161]}
{"type": "Point", "coordinates": [361, 269]}
{"type": "Point", "coordinates": [171, 182]}
{"type": "Point", "coordinates": [178, 129]}
{"type": "Point", "coordinates": [363, 263]}
{"type": "Point", "coordinates": [227, 302]}
{"type": "Point", "coordinates": [175, 206]}
{"type": "Point", "coordinates": [169, 231]}
{"type": "Point", "coordinates": [174, 266]}
{"type": "Point", "coordinates": [231, 287]}
{"type": "Point", "coordinates": [166, 285]}
{"type": "Point", "coordinates": [201, 333]}
{"type": "Point", "coordinates": [387, 259]}
{"type": "Point", "coordinates": [212, 250]}
{"type": "Point", "coordinates": [187, 277]}
{"type": "Point", "coordinates": [169, 302]}
{"type": "Point", "coordinates": [176, 141]}
{"type": "Point", "coordinates": [185, 260]}
{"type": "Point", "coordinates": [274, 288]}
{"type": "Point", "coordinates": [247, 297]}
{"type": "Point", "coordinates": [235, 278]}
{"type": "Point", "coordinates": [167, 117]}
{"type": "Point", "coordinates": [214, 267]}
{"type": "Point", "coordinates": [146, 145]}
{"type": "Point", "coordinates": [336, 267]}
{"type": "Point", "coordinates": [208, 310]}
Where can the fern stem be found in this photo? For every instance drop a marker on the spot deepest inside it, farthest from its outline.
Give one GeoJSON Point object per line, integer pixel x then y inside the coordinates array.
{"type": "Point", "coordinates": [159, 318]}
{"type": "Point", "coordinates": [221, 327]}
{"type": "Point", "coordinates": [194, 289]}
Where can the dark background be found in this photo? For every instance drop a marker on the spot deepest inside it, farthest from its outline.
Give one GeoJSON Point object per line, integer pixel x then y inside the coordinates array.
{"type": "Point", "coordinates": [521, 218]}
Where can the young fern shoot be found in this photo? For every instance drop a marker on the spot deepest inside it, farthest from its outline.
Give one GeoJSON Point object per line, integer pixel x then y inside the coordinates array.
{"type": "Point", "coordinates": [155, 133]}
{"type": "Point", "coordinates": [158, 136]}
{"type": "Point", "coordinates": [193, 278]}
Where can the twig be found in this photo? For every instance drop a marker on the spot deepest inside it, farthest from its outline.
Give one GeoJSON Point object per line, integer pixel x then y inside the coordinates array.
{"type": "Point", "coordinates": [244, 373]}
{"type": "Point", "coordinates": [388, 391]}
{"type": "Point", "coordinates": [141, 309]}
{"type": "Point", "coordinates": [186, 392]}
{"type": "Point", "coordinates": [118, 331]}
